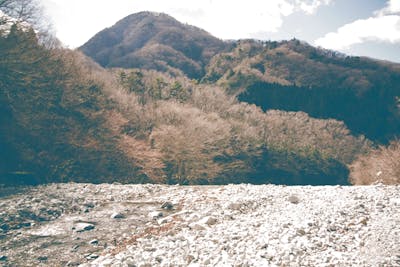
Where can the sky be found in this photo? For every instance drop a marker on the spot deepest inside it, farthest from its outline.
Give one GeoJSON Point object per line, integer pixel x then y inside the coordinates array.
{"type": "Point", "coordinates": [354, 27]}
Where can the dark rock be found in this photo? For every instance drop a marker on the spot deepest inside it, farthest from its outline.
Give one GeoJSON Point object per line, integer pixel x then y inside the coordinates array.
{"type": "Point", "coordinates": [3, 258]}
{"type": "Point", "coordinates": [5, 227]}
{"type": "Point", "coordinates": [94, 242]}
{"type": "Point", "coordinates": [117, 215]}
{"type": "Point", "coordinates": [89, 205]}
{"type": "Point", "coordinates": [167, 206]}
{"type": "Point", "coordinates": [24, 224]}
{"type": "Point", "coordinates": [42, 258]}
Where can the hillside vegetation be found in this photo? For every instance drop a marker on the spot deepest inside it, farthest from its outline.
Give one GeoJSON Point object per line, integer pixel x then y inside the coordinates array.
{"type": "Point", "coordinates": [287, 75]}
{"type": "Point", "coordinates": [154, 41]}
{"type": "Point", "coordinates": [65, 118]}
{"type": "Point", "coordinates": [380, 165]}
{"type": "Point", "coordinates": [52, 116]}
{"type": "Point", "coordinates": [295, 76]}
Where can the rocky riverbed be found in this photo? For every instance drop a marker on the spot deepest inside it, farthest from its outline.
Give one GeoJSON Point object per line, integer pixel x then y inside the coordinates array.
{"type": "Point", "coordinates": [234, 225]}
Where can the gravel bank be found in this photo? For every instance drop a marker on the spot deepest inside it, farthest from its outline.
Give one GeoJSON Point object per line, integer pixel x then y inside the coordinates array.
{"type": "Point", "coordinates": [233, 225]}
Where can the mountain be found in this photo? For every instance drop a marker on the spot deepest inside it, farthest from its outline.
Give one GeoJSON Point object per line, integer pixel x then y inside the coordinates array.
{"type": "Point", "coordinates": [65, 118]}
{"type": "Point", "coordinates": [295, 76]}
{"type": "Point", "coordinates": [286, 75]}
{"type": "Point", "coordinates": [154, 41]}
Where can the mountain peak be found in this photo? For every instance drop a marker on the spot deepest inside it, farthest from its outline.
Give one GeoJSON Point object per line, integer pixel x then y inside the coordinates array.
{"type": "Point", "coordinates": [146, 17]}
{"type": "Point", "coordinates": [154, 40]}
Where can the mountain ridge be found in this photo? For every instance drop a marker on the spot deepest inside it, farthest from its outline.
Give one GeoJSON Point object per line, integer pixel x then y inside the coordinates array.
{"type": "Point", "coordinates": [129, 42]}
{"type": "Point", "coordinates": [326, 83]}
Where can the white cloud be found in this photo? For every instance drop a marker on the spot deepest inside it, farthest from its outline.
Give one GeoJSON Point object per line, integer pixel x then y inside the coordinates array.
{"type": "Point", "coordinates": [310, 7]}
{"type": "Point", "coordinates": [238, 19]}
{"type": "Point", "coordinates": [383, 27]}
{"type": "Point", "coordinates": [392, 7]}
{"type": "Point", "coordinates": [76, 20]}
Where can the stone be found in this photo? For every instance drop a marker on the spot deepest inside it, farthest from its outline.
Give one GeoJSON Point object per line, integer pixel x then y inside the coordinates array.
{"type": "Point", "coordinates": [24, 224]}
{"type": "Point", "coordinates": [82, 227]}
{"type": "Point", "coordinates": [235, 206]}
{"type": "Point", "coordinates": [364, 221]}
{"type": "Point", "coordinates": [294, 199]}
{"type": "Point", "coordinates": [73, 263]}
{"type": "Point", "coordinates": [92, 256]}
{"type": "Point", "coordinates": [117, 215]}
{"type": "Point", "coordinates": [189, 258]}
{"type": "Point", "coordinates": [89, 204]}
{"type": "Point", "coordinates": [149, 249]}
{"type": "Point", "coordinates": [301, 232]}
{"type": "Point", "coordinates": [167, 206]}
{"type": "Point", "coordinates": [196, 226]}
{"type": "Point", "coordinates": [94, 242]}
{"type": "Point", "coordinates": [209, 220]}
{"type": "Point", "coordinates": [3, 258]}
{"type": "Point", "coordinates": [155, 214]}
{"type": "Point", "coordinates": [332, 228]}
{"type": "Point", "coordinates": [42, 258]}
{"type": "Point", "coordinates": [5, 227]}
{"type": "Point", "coordinates": [162, 221]}
{"type": "Point", "coordinates": [130, 262]}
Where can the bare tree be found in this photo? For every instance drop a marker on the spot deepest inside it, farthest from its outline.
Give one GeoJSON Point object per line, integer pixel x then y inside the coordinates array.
{"type": "Point", "coordinates": [380, 165]}
{"type": "Point", "coordinates": [30, 14]}
{"type": "Point", "coordinates": [23, 10]}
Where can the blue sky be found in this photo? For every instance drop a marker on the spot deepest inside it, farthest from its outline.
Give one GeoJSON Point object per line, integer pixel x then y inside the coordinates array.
{"type": "Point", "coordinates": [356, 27]}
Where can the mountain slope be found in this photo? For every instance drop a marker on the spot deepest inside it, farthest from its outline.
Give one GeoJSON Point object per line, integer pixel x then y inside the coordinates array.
{"type": "Point", "coordinates": [154, 41]}
{"type": "Point", "coordinates": [288, 75]}
{"type": "Point", "coordinates": [294, 76]}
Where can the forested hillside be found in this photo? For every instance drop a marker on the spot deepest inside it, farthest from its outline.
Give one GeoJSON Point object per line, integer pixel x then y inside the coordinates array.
{"type": "Point", "coordinates": [294, 76]}
{"type": "Point", "coordinates": [66, 118]}
{"type": "Point", "coordinates": [287, 75]}
{"type": "Point", "coordinates": [52, 116]}
{"type": "Point", "coordinates": [154, 41]}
